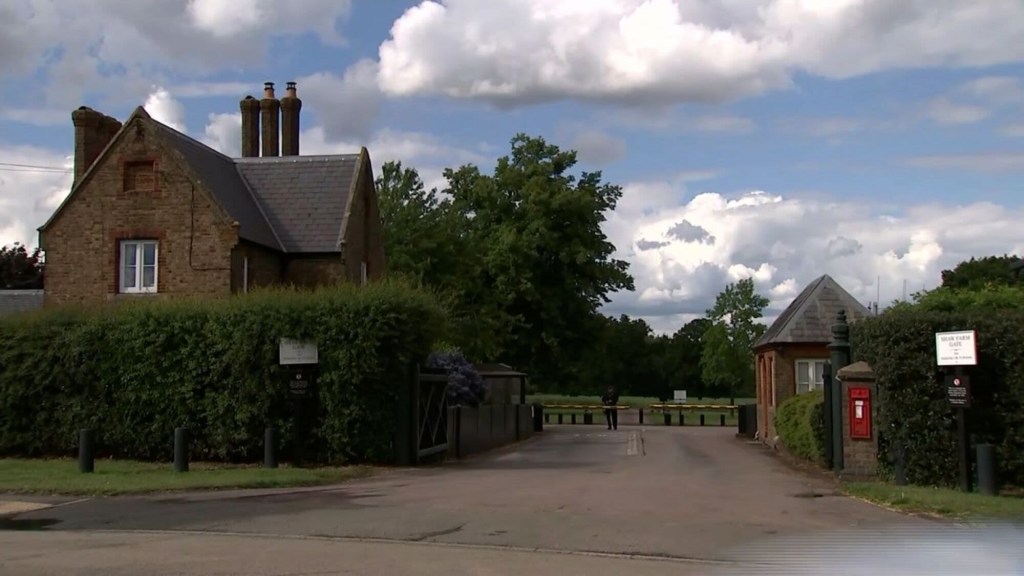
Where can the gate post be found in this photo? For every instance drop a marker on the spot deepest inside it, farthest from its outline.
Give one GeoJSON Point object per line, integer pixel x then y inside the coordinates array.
{"type": "Point", "coordinates": [826, 409]}
{"type": "Point", "coordinates": [840, 347]}
{"type": "Point", "coordinates": [406, 412]}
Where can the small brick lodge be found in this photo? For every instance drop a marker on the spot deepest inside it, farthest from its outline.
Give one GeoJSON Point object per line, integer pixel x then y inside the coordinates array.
{"type": "Point", "coordinates": [155, 212]}
{"type": "Point", "coordinates": [791, 354]}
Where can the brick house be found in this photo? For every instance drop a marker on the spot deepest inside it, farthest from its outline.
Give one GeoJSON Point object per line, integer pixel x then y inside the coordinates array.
{"type": "Point", "coordinates": [155, 212]}
{"type": "Point", "coordinates": [791, 355]}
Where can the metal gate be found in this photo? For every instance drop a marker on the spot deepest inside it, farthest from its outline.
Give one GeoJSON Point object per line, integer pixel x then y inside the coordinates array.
{"type": "Point", "coordinates": [430, 422]}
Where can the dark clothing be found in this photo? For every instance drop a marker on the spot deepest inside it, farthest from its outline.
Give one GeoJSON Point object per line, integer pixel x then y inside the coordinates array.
{"type": "Point", "coordinates": [611, 415]}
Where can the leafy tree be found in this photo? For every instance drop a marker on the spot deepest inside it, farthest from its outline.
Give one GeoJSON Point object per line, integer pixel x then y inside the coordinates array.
{"type": "Point", "coordinates": [727, 360]}
{"type": "Point", "coordinates": [979, 272]}
{"type": "Point", "coordinates": [546, 264]}
{"type": "Point", "coordinates": [20, 269]}
{"type": "Point", "coordinates": [683, 354]}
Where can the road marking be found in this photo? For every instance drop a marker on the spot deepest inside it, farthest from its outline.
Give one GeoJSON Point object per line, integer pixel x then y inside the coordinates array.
{"type": "Point", "coordinates": [633, 445]}
{"type": "Point", "coordinates": [11, 507]}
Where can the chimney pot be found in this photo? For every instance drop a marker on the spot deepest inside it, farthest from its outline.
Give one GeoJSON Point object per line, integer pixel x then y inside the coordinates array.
{"type": "Point", "coordinates": [291, 108]}
{"type": "Point", "coordinates": [250, 108]}
{"type": "Point", "coordinates": [268, 89]}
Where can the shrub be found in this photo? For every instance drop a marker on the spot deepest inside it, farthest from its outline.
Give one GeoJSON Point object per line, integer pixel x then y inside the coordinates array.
{"type": "Point", "coordinates": [465, 384]}
{"type": "Point", "coordinates": [912, 406]}
{"type": "Point", "coordinates": [799, 422]}
{"type": "Point", "coordinates": [135, 371]}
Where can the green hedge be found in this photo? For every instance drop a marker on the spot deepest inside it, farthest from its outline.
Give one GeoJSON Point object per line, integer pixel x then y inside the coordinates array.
{"type": "Point", "coordinates": [136, 371]}
{"type": "Point", "coordinates": [799, 422]}
{"type": "Point", "coordinates": [912, 407]}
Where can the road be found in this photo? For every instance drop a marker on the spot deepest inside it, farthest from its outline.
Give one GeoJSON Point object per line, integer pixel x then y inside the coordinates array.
{"type": "Point", "coordinates": [573, 499]}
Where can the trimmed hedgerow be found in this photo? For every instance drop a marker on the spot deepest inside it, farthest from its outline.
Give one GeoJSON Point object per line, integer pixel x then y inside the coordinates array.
{"type": "Point", "coordinates": [136, 371]}
{"type": "Point", "coordinates": [799, 422]}
{"type": "Point", "coordinates": [912, 406]}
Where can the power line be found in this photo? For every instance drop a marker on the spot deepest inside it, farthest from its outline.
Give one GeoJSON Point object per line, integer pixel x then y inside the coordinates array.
{"type": "Point", "coordinates": [14, 167]}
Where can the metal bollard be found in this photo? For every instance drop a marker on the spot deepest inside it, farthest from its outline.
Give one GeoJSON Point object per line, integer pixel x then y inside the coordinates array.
{"type": "Point", "coordinates": [560, 420]}
{"type": "Point", "coordinates": [86, 451]}
{"type": "Point", "coordinates": [547, 418]}
{"type": "Point", "coordinates": [588, 417]}
{"type": "Point", "coordinates": [668, 418]}
{"type": "Point", "coordinates": [180, 450]}
{"type": "Point", "coordinates": [270, 448]}
{"type": "Point", "coordinates": [641, 416]}
{"type": "Point", "coordinates": [702, 419]}
{"type": "Point", "coordinates": [573, 417]}
{"type": "Point", "coordinates": [986, 454]}
{"type": "Point", "coordinates": [722, 419]}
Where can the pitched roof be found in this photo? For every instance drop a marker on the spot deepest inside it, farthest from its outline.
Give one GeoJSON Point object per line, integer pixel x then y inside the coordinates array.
{"type": "Point", "coordinates": [305, 197]}
{"type": "Point", "coordinates": [292, 203]}
{"type": "Point", "coordinates": [808, 319]}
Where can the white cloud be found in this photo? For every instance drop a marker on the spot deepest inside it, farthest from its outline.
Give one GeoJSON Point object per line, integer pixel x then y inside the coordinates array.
{"type": "Point", "coordinates": [118, 48]}
{"type": "Point", "coordinates": [944, 111]}
{"type": "Point", "coordinates": [223, 132]}
{"type": "Point", "coordinates": [980, 162]}
{"type": "Point", "coordinates": [683, 253]}
{"type": "Point", "coordinates": [164, 108]}
{"type": "Point", "coordinates": [346, 106]}
{"type": "Point", "coordinates": [977, 100]}
{"type": "Point", "coordinates": [597, 148]}
{"type": "Point", "coordinates": [33, 182]}
{"type": "Point", "coordinates": [513, 52]}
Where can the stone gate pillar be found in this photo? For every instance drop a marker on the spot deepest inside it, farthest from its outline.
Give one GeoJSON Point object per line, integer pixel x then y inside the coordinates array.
{"type": "Point", "coordinates": [859, 420]}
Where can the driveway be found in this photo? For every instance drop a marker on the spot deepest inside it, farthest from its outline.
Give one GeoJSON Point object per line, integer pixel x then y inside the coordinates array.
{"type": "Point", "coordinates": [572, 499]}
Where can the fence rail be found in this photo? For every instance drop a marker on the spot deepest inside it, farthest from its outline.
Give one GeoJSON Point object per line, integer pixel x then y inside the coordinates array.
{"type": "Point", "coordinates": [570, 412]}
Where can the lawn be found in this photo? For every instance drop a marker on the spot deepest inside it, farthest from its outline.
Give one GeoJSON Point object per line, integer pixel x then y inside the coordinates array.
{"type": "Point", "coordinates": [111, 477]}
{"type": "Point", "coordinates": [939, 501]}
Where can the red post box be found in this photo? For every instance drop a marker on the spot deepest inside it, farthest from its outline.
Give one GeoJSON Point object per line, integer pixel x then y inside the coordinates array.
{"type": "Point", "coordinates": [860, 412]}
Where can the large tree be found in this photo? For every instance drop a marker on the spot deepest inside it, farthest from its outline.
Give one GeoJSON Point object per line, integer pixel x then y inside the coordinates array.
{"type": "Point", "coordinates": [20, 269]}
{"type": "Point", "coordinates": [682, 359]}
{"type": "Point", "coordinates": [727, 360]}
{"type": "Point", "coordinates": [980, 272]}
{"type": "Point", "coordinates": [546, 264]}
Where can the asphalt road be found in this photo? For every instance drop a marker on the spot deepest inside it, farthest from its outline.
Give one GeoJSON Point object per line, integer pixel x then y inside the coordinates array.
{"type": "Point", "coordinates": [573, 499]}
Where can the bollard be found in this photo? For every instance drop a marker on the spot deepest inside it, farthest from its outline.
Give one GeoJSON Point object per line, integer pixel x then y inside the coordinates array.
{"type": "Point", "coordinates": [722, 419]}
{"type": "Point", "coordinates": [547, 418]}
{"type": "Point", "coordinates": [641, 416]}
{"type": "Point", "coordinates": [668, 418]}
{"type": "Point", "coordinates": [270, 448]}
{"type": "Point", "coordinates": [86, 452]}
{"type": "Point", "coordinates": [539, 417]}
{"type": "Point", "coordinates": [573, 417]}
{"type": "Point", "coordinates": [560, 420]}
{"type": "Point", "coordinates": [682, 418]}
{"type": "Point", "coordinates": [588, 418]}
{"type": "Point", "coordinates": [180, 450]}
{"type": "Point", "coordinates": [899, 466]}
{"type": "Point", "coordinates": [702, 419]}
{"type": "Point", "coordinates": [986, 455]}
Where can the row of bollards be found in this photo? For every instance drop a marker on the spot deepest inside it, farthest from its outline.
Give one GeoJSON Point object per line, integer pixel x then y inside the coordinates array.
{"type": "Point", "coordinates": [87, 449]}
{"type": "Point", "coordinates": [588, 418]}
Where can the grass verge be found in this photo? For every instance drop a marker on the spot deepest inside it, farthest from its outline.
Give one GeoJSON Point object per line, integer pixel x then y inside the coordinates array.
{"type": "Point", "coordinates": [944, 502]}
{"type": "Point", "coordinates": [113, 477]}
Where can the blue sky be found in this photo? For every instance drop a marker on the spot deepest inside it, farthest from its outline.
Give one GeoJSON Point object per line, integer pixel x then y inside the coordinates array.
{"type": "Point", "coordinates": [875, 141]}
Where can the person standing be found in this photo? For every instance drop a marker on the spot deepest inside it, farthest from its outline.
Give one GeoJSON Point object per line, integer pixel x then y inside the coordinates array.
{"type": "Point", "coordinates": [611, 413]}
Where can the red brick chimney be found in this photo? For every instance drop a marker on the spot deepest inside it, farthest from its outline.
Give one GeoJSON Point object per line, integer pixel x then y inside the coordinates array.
{"type": "Point", "coordinates": [270, 107]}
{"type": "Point", "coordinates": [291, 106]}
{"type": "Point", "coordinates": [250, 127]}
{"type": "Point", "coordinates": [93, 131]}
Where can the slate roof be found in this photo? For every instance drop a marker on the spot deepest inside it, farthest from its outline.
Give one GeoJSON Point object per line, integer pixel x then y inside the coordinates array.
{"type": "Point", "coordinates": [293, 204]}
{"type": "Point", "coordinates": [808, 319]}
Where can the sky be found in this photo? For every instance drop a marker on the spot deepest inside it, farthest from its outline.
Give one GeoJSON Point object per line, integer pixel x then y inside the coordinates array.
{"type": "Point", "coordinates": [879, 142]}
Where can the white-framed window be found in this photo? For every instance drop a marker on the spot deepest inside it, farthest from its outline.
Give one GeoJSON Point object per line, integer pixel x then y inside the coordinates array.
{"type": "Point", "coordinates": [138, 266]}
{"type": "Point", "coordinates": [363, 273]}
{"type": "Point", "coordinates": [809, 374]}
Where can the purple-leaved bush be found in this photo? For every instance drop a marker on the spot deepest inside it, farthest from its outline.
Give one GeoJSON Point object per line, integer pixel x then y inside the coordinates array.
{"type": "Point", "coordinates": [465, 385]}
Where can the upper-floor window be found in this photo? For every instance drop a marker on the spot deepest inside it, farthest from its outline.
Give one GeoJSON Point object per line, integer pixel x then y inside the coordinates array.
{"type": "Point", "coordinates": [139, 266]}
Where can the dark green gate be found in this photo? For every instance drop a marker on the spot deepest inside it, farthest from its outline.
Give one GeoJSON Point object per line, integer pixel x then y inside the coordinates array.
{"type": "Point", "coordinates": [423, 417]}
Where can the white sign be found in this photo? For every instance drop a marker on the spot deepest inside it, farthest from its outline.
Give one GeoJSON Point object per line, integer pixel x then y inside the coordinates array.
{"type": "Point", "coordinates": [679, 396]}
{"type": "Point", "coordinates": [298, 352]}
{"type": "Point", "coordinates": [956, 348]}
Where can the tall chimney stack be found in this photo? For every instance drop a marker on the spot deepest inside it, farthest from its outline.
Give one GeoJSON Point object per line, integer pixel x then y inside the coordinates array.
{"type": "Point", "coordinates": [93, 131]}
{"type": "Point", "coordinates": [250, 127]}
{"type": "Point", "coordinates": [270, 107]}
{"type": "Point", "coordinates": [291, 106]}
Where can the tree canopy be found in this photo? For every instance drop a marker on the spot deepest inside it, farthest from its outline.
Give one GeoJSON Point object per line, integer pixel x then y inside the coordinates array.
{"type": "Point", "coordinates": [727, 359]}
{"type": "Point", "coordinates": [20, 269]}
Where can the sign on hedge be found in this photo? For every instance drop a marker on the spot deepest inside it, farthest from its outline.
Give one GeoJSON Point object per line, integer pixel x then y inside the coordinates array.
{"type": "Point", "coordinates": [956, 348]}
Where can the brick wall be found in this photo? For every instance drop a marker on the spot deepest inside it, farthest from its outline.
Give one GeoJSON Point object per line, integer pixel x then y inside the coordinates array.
{"type": "Point", "coordinates": [266, 267]}
{"type": "Point", "coordinates": [82, 243]}
{"type": "Point", "coordinates": [779, 367]}
{"type": "Point", "coordinates": [860, 456]}
{"type": "Point", "coordinates": [314, 271]}
{"type": "Point", "coordinates": [364, 240]}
